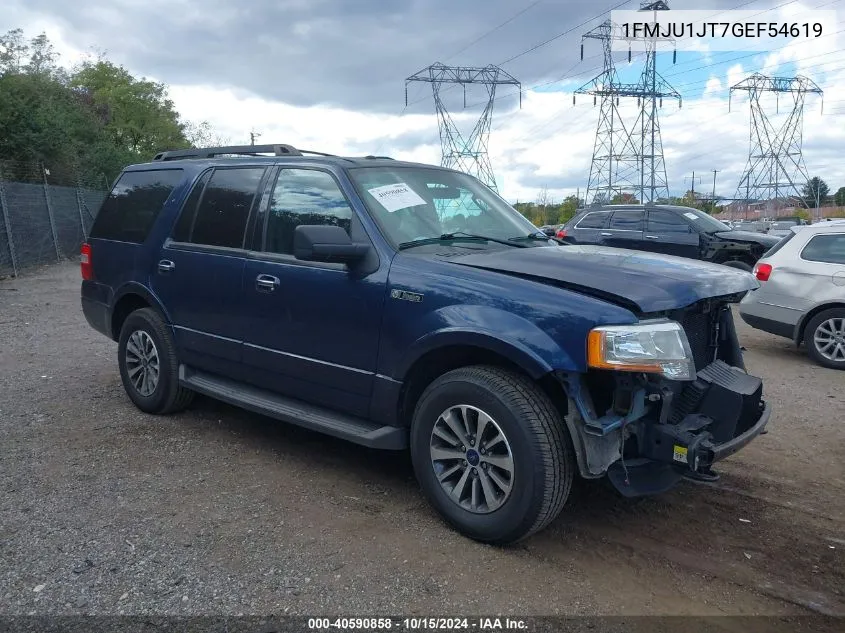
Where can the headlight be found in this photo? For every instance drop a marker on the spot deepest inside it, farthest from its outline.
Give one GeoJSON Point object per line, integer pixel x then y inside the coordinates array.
{"type": "Point", "coordinates": [658, 347]}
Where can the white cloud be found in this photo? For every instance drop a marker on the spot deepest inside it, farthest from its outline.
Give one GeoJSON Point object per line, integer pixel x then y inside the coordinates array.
{"type": "Point", "coordinates": [549, 141]}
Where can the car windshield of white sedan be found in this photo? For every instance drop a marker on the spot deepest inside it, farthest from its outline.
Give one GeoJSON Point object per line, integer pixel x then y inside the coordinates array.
{"type": "Point", "coordinates": [418, 203]}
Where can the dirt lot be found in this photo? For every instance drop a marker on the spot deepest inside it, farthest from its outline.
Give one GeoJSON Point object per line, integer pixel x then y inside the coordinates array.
{"type": "Point", "coordinates": [217, 511]}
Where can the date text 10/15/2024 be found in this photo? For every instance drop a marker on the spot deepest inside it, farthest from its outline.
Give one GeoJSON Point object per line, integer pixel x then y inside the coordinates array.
{"type": "Point", "coordinates": [416, 624]}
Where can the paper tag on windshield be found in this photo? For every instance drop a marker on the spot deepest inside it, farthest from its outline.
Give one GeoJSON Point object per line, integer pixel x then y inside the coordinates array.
{"type": "Point", "coordinates": [691, 216]}
{"type": "Point", "coordinates": [396, 196]}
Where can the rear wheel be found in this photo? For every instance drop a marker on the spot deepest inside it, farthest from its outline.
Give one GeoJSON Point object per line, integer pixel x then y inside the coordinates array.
{"type": "Point", "coordinates": [149, 368]}
{"type": "Point", "coordinates": [824, 338]}
{"type": "Point", "coordinates": [735, 263]}
{"type": "Point", "coordinates": [491, 453]}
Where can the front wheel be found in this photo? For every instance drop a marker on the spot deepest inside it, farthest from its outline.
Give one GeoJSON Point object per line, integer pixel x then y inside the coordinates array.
{"type": "Point", "coordinates": [491, 453]}
{"type": "Point", "coordinates": [824, 338]}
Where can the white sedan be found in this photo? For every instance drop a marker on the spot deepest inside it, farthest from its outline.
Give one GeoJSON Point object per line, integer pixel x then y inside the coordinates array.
{"type": "Point", "coordinates": [802, 291]}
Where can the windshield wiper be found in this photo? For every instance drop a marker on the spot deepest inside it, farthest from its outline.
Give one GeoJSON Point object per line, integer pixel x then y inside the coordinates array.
{"type": "Point", "coordinates": [455, 236]}
{"type": "Point", "coordinates": [536, 237]}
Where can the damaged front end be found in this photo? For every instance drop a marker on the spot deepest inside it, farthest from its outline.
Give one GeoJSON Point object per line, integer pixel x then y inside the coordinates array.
{"type": "Point", "coordinates": [647, 429]}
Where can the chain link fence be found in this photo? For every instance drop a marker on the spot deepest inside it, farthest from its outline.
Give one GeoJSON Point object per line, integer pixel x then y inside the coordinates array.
{"type": "Point", "coordinates": [46, 212]}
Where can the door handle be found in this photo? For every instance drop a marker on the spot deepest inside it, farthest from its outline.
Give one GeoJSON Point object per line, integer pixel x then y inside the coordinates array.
{"type": "Point", "coordinates": [607, 234]}
{"type": "Point", "coordinates": [652, 237]}
{"type": "Point", "coordinates": [266, 283]}
{"type": "Point", "coordinates": [166, 266]}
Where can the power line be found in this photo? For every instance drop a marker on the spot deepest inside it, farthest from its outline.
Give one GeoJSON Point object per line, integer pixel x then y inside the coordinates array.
{"type": "Point", "coordinates": [494, 29]}
{"type": "Point", "coordinates": [548, 41]}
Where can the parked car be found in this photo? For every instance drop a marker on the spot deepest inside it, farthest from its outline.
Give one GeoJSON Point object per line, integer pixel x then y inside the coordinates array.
{"type": "Point", "coordinates": [782, 228]}
{"type": "Point", "coordinates": [323, 291]}
{"type": "Point", "coordinates": [549, 229]}
{"type": "Point", "coordinates": [670, 230]}
{"type": "Point", "coordinates": [802, 292]}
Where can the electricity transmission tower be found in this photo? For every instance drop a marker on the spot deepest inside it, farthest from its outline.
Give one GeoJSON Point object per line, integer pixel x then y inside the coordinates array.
{"type": "Point", "coordinates": [628, 157]}
{"type": "Point", "coordinates": [775, 167]}
{"type": "Point", "coordinates": [465, 153]}
{"type": "Point", "coordinates": [614, 165]}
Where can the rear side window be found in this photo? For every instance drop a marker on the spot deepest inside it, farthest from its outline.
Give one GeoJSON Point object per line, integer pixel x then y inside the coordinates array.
{"type": "Point", "coordinates": [829, 249]}
{"type": "Point", "coordinates": [182, 232]}
{"type": "Point", "coordinates": [217, 213]}
{"type": "Point", "coordinates": [131, 209]}
{"type": "Point", "coordinates": [661, 221]}
{"type": "Point", "coordinates": [594, 220]}
{"type": "Point", "coordinates": [627, 220]}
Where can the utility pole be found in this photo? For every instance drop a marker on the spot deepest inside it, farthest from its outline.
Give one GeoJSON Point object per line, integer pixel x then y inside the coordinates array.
{"type": "Point", "coordinates": [692, 181]}
{"type": "Point", "coordinates": [252, 136]}
{"type": "Point", "coordinates": [713, 198]}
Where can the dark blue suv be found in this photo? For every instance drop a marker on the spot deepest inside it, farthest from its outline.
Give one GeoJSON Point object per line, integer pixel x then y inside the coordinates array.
{"type": "Point", "coordinates": [399, 305]}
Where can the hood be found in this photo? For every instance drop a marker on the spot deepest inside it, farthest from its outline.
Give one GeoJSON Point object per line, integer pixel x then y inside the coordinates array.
{"type": "Point", "coordinates": [748, 236]}
{"type": "Point", "coordinates": [646, 281]}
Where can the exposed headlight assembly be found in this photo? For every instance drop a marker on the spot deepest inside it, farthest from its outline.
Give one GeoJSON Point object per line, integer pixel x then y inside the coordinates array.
{"type": "Point", "coordinates": [655, 347]}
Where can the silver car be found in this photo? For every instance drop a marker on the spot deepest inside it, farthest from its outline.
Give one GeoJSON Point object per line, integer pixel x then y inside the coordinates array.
{"type": "Point", "coordinates": [781, 228]}
{"type": "Point", "coordinates": [802, 291]}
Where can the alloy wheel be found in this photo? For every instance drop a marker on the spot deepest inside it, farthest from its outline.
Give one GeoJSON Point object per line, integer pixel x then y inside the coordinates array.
{"type": "Point", "coordinates": [142, 362]}
{"type": "Point", "coordinates": [472, 459]}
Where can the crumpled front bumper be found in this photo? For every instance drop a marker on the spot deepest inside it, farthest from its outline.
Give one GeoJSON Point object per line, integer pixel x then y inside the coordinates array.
{"type": "Point", "coordinates": [708, 419]}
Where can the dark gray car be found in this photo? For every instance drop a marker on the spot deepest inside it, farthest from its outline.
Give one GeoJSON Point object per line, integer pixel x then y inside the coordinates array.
{"type": "Point", "coordinates": [667, 229]}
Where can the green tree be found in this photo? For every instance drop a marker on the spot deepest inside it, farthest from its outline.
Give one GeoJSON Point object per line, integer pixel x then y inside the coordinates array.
{"type": "Point", "coordinates": [13, 51]}
{"type": "Point", "coordinates": [96, 119]}
{"type": "Point", "coordinates": [203, 135]}
{"type": "Point", "coordinates": [802, 214]}
{"type": "Point", "coordinates": [42, 57]}
{"type": "Point", "coordinates": [815, 192]}
{"type": "Point", "coordinates": [141, 120]}
{"type": "Point", "coordinates": [839, 197]}
{"type": "Point", "coordinates": [624, 198]}
{"type": "Point", "coordinates": [40, 120]}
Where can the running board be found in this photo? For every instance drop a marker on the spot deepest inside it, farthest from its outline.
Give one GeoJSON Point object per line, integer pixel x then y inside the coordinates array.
{"type": "Point", "coordinates": [309, 416]}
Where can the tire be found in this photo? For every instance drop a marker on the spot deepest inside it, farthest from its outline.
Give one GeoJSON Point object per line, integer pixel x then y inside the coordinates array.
{"type": "Point", "coordinates": [144, 327]}
{"type": "Point", "coordinates": [542, 466]}
{"type": "Point", "coordinates": [818, 327]}
{"type": "Point", "coordinates": [740, 265]}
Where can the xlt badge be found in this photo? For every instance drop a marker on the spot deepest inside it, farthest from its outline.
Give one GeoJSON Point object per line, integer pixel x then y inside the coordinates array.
{"type": "Point", "coordinates": [406, 296]}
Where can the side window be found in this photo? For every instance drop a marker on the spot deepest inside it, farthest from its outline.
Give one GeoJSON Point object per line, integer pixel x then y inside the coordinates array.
{"type": "Point", "coordinates": [303, 196]}
{"type": "Point", "coordinates": [594, 220]}
{"type": "Point", "coordinates": [182, 231]}
{"type": "Point", "coordinates": [627, 220]}
{"type": "Point", "coordinates": [131, 209]}
{"type": "Point", "coordinates": [829, 249]}
{"type": "Point", "coordinates": [660, 221]}
{"type": "Point", "coordinates": [222, 213]}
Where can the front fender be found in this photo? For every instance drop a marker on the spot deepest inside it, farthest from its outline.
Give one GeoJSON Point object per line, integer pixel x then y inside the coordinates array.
{"type": "Point", "coordinates": [504, 333]}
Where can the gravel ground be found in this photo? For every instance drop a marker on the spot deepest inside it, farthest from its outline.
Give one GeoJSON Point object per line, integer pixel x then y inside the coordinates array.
{"type": "Point", "coordinates": [216, 511]}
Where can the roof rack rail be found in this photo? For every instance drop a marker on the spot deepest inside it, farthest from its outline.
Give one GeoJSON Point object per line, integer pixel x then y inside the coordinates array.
{"type": "Point", "coordinates": [242, 150]}
{"type": "Point", "coordinates": [371, 157]}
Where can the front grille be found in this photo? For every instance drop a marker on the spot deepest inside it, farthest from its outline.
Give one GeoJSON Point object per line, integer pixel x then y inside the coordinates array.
{"type": "Point", "coordinates": [699, 328]}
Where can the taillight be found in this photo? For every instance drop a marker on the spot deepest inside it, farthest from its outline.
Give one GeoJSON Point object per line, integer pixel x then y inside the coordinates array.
{"type": "Point", "coordinates": [85, 262]}
{"type": "Point", "coordinates": [561, 233]}
{"type": "Point", "coordinates": [763, 271]}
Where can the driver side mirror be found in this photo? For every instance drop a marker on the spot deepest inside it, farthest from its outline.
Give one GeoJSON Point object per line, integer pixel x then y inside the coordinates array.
{"type": "Point", "coordinates": [326, 243]}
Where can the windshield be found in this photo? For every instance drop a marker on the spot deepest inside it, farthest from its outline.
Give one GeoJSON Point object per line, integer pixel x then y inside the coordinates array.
{"type": "Point", "coordinates": [703, 221]}
{"type": "Point", "coordinates": [418, 203]}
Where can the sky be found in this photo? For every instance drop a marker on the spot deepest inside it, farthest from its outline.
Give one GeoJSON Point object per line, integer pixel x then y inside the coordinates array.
{"type": "Point", "coordinates": [329, 75]}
